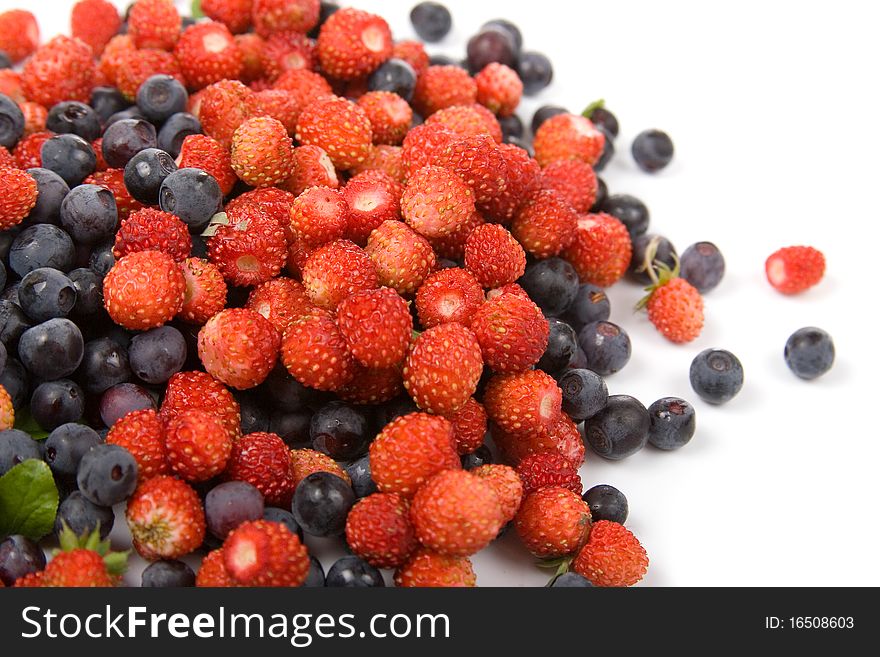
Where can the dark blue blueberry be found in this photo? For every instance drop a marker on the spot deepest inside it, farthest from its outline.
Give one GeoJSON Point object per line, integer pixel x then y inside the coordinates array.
{"type": "Point", "coordinates": [506, 26]}
{"type": "Point", "coordinates": [65, 447]}
{"type": "Point", "coordinates": [607, 503]}
{"type": "Point", "coordinates": [578, 362]}
{"type": "Point", "coordinates": [321, 504]}
{"type": "Point", "coordinates": [16, 447]}
{"type": "Point", "coordinates": [444, 60]}
{"type": "Point", "coordinates": [327, 10]}
{"type": "Point", "coordinates": [652, 150]}
{"type": "Point", "coordinates": [511, 126]}
{"type": "Point", "coordinates": [716, 375]}
{"type": "Point", "coordinates": [177, 128]}
{"type": "Point", "coordinates": [101, 260]}
{"type": "Point", "coordinates": [89, 292]}
{"type": "Point", "coordinates": [11, 293]}
{"type": "Point", "coordinates": [104, 364]}
{"type": "Point", "coordinates": [396, 76]}
{"type": "Point", "coordinates": [125, 138]}
{"type": "Point", "coordinates": [15, 379]}
{"type": "Point", "coordinates": [545, 112]}
{"type": "Point", "coordinates": [522, 143]}
{"type": "Point", "coordinates": [571, 580]}
{"type": "Point", "coordinates": [45, 294]}
{"type": "Point", "coordinates": [168, 575]}
{"type": "Point", "coordinates": [561, 347]}
{"type": "Point", "coordinates": [361, 477]}
{"type": "Point", "coordinates": [107, 474]}
{"type": "Point", "coordinates": [352, 571]}
{"type": "Point", "coordinates": [107, 101]}
{"type": "Point", "coordinates": [590, 305]}
{"type": "Point", "coordinates": [618, 430]}
{"type": "Point", "coordinates": [493, 44]}
{"type": "Point", "coordinates": [601, 194]}
{"type": "Point", "coordinates": [11, 122]}
{"type": "Point", "coordinates": [13, 322]}
{"type": "Point", "coordinates": [603, 118]}
{"type": "Point", "coordinates": [630, 210]}
{"type": "Point", "coordinates": [54, 403]}
{"type": "Point", "coordinates": [431, 21]}
{"type": "Point", "coordinates": [584, 393]}
{"type": "Point", "coordinates": [160, 96]}
{"type": "Point", "coordinates": [83, 516]}
{"type": "Point", "coordinates": [285, 517]}
{"type": "Point", "coordinates": [121, 399]}
{"type": "Point", "coordinates": [316, 577]}
{"type": "Point", "coordinates": [51, 190]}
{"type": "Point", "coordinates": [19, 556]}
{"type": "Point", "coordinates": [294, 427]}
{"type": "Point", "coordinates": [607, 152]}
{"type": "Point", "coordinates": [70, 156]}
{"type": "Point", "coordinates": [229, 504]}
{"type": "Point", "coordinates": [145, 173]}
{"type": "Point", "coordinates": [394, 409]}
{"type": "Point", "coordinates": [341, 430]}
{"type": "Point", "coordinates": [157, 354]}
{"type": "Point", "coordinates": [73, 117]}
{"type": "Point", "coordinates": [480, 456]}
{"type": "Point", "coordinates": [129, 113]}
{"type": "Point", "coordinates": [809, 352]}
{"type": "Point", "coordinates": [673, 423]}
{"type": "Point", "coordinates": [51, 350]}
{"type": "Point", "coordinates": [286, 393]}
{"type": "Point", "coordinates": [606, 345]}
{"type": "Point", "coordinates": [41, 245]}
{"type": "Point", "coordinates": [552, 284]}
{"type": "Point", "coordinates": [3, 356]}
{"type": "Point", "coordinates": [192, 195]}
{"type": "Point", "coordinates": [89, 214]}
{"type": "Point", "coordinates": [535, 71]}
{"type": "Point", "coordinates": [702, 265]}
{"type": "Point", "coordinates": [5, 61]}
{"type": "Point", "coordinates": [254, 416]}
{"type": "Point", "coordinates": [648, 250]}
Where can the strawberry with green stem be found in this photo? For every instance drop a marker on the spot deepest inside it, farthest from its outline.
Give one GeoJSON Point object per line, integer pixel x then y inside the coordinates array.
{"type": "Point", "coordinates": [674, 306]}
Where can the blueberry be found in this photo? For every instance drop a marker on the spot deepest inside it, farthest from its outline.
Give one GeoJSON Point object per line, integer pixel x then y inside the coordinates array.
{"type": "Point", "coordinates": [294, 427]}
{"type": "Point", "coordinates": [396, 76]}
{"type": "Point", "coordinates": [480, 456]}
{"type": "Point", "coordinates": [607, 152]}
{"type": "Point", "coordinates": [101, 260]}
{"type": "Point", "coordinates": [552, 284]}
{"type": "Point", "coordinates": [511, 126]}
{"type": "Point", "coordinates": [3, 356]}
{"type": "Point", "coordinates": [652, 150]}
{"type": "Point", "coordinates": [316, 577]}
{"type": "Point", "coordinates": [129, 113]}
{"type": "Point", "coordinates": [107, 474]}
{"type": "Point", "coordinates": [19, 556]}
{"type": "Point", "coordinates": [648, 250]}
{"type": "Point", "coordinates": [11, 293]}
{"type": "Point", "coordinates": [41, 245]}
{"type": "Point", "coordinates": [590, 305]}
{"type": "Point", "coordinates": [89, 213]}
{"type": "Point", "coordinates": [13, 323]}
{"type": "Point", "coordinates": [89, 292]}
{"type": "Point", "coordinates": [107, 101]}
{"type": "Point", "coordinates": [160, 96]}
{"type": "Point", "coordinates": [506, 26]}
{"type": "Point", "coordinates": [321, 504]}
{"type": "Point", "coordinates": [361, 477]}
{"type": "Point", "coordinates": [490, 45]}
{"type": "Point", "coordinates": [571, 580]}
{"type": "Point", "coordinates": [46, 293]}
{"type": "Point", "coordinates": [16, 447]}
{"type": "Point", "coordinates": [584, 393]}
{"type": "Point", "coordinates": [545, 112]}
{"type": "Point", "coordinates": [601, 194]}
{"type": "Point", "coordinates": [73, 117]}
{"type": "Point", "coordinates": [561, 347]}
{"type": "Point", "coordinates": [11, 122]}
{"type": "Point", "coordinates": [70, 156]}
{"type": "Point", "coordinates": [157, 354]}
{"type": "Point", "coordinates": [607, 503]}
{"type": "Point", "coordinates": [253, 416]}
{"type": "Point", "coordinates": [121, 399]}
{"type": "Point", "coordinates": [394, 409]}
{"type": "Point", "coordinates": [177, 128]}
{"type": "Point", "coordinates": [229, 504]}
{"type": "Point", "coordinates": [431, 21]}
{"type": "Point", "coordinates": [603, 118]}
{"type": "Point", "coordinates": [673, 423]}
{"type": "Point", "coordinates": [51, 190]}
{"type": "Point", "coordinates": [352, 571]}
{"type": "Point", "coordinates": [535, 71]}
{"type": "Point", "coordinates": [51, 350]}
{"type": "Point", "coordinates": [524, 144]}
{"type": "Point", "coordinates": [444, 60]}
{"type": "Point", "coordinates": [168, 574]}
{"type": "Point", "coordinates": [54, 403]}
{"type": "Point", "coordinates": [327, 10]}
{"type": "Point", "coordinates": [15, 379]}
{"type": "Point", "coordinates": [65, 447]}
{"type": "Point", "coordinates": [285, 392]}
{"type": "Point", "coordinates": [104, 364]}
{"type": "Point", "coordinates": [702, 265]}
{"type": "Point", "coordinates": [577, 362]}
{"type": "Point", "coordinates": [83, 516]}
{"type": "Point", "coordinates": [618, 430]}
{"type": "Point", "coordinates": [145, 173]}
{"type": "Point", "coordinates": [192, 195]}
{"type": "Point", "coordinates": [716, 375]}
{"type": "Point", "coordinates": [341, 430]}
{"type": "Point", "coordinates": [125, 138]}
{"type": "Point", "coordinates": [606, 345]}
{"type": "Point", "coordinates": [809, 352]}
{"type": "Point", "coordinates": [285, 517]}
{"type": "Point", "coordinates": [631, 212]}
{"type": "Point", "coordinates": [5, 61]}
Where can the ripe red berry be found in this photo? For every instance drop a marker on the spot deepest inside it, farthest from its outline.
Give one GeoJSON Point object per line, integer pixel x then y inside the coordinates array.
{"type": "Point", "coordinates": [264, 553]}
{"type": "Point", "coordinates": [262, 153]}
{"type": "Point", "coordinates": [389, 115]}
{"type": "Point", "coordinates": [612, 556]}
{"type": "Point", "coordinates": [95, 22]}
{"type": "Point", "coordinates": [304, 462]}
{"type": "Point", "coordinates": [207, 154]}
{"type": "Point", "coordinates": [568, 136]}
{"type": "Point", "coordinates": [272, 16]}
{"type": "Point", "coordinates": [469, 426]}
{"type": "Point", "coordinates": [338, 126]}
{"type": "Point", "coordinates": [239, 347]}
{"type": "Point", "coordinates": [27, 151]}
{"type": "Point", "coordinates": [235, 14]}
{"type": "Point", "coordinates": [319, 215]}
{"type": "Point", "coordinates": [281, 301]}
{"type": "Point", "coordinates": [512, 332]}
{"type": "Point", "coordinates": [250, 249]}
{"type": "Point", "coordinates": [287, 51]}
{"type": "Point", "coordinates": [439, 87]}
{"type": "Point", "coordinates": [154, 24]}
{"type": "Point", "coordinates": [212, 572]}
{"type": "Point", "coordinates": [402, 258]}
{"type": "Point", "coordinates": [208, 53]}
{"type": "Point", "coordinates": [19, 34]}
{"type": "Point", "coordinates": [136, 66]}
{"type": "Point", "coordinates": [144, 290]}
{"type": "Point", "coordinates": [601, 250]}
{"type": "Point", "coordinates": [448, 295]}
{"type": "Point", "coordinates": [423, 144]}
{"type": "Point", "coordinates": [166, 518]}
{"type": "Point", "coordinates": [545, 469]}
{"type": "Point", "coordinates": [311, 167]}
{"type": "Point", "coordinates": [372, 386]}
{"type": "Point", "coordinates": [271, 201]}
{"type": "Point", "coordinates": [468, 121]}
{"type": "Point", "coordinates": [353, 43]}
{"type": "Point", "coordinates": [113, 179]}
{"type": "Point", "coordinates": [198, 445]}
{"type": "Point", "coordinates": [675, 308]}
{"type": "Point", "coordinates": [494, 256]}
{"type": "Point", "coordinates": [142, 434]}
{"type": "Point", "coordinates": [386, 159]}
{"type": "Point", "coordinates": [574, 180]}
{"type": "Point", "coordinates": [553, 522]}
{"type": "Point", "coordinates": [451, 246]}
{"type": "Point", "coordinates": [18, 196]}
{"type": "Point", "coordinates": [335, 271]}
{"type": "Point", "coordinates": [793, 269]}
{"type": "Point", "coordinates": [523, 178]}
{"type": "Point", "coordinates": [377, 326]}
{"type": "Point", "coordinates": [205, 293]}
{"type": "Point", "coordinates": [7, 411]}
{"type": "Point", "coordinates": [426, 568]}
{"type": "Point", "coordinates": [225, 105]}
{"type": "Point", "coordinates": [413, 53]}
{"type": "Point", "coordinates": [480, 163]}
{"type": "Point", "coordinates": [562, 438]}
{"type": "Point", "coordinates": [35, 116]}
{"type": "Point", "coordinates": [150, 229]}
{"type": "Point", "coordinates": [506, 484]}
{"type": "Point", "coordinates": [545, 224]}
{"type": "Point", "coordinates": [263, 461]}
{"type": "Point", "coordinates": [315, 353]}
{"type": "Point", "coordinates": [199, 390]}
{"type": "Point", "coordinates": [499, 88]}
{"type": "Point", "coordinates": [523, 403]}
{"type": "Point", "coordinates": [436, 201]}
{"type": "Point", "coordinates": [62, 69]}
{"type": "Point", "coordinates": [372, 198]}
{"type": "Point", "coordinates": [379, 531]}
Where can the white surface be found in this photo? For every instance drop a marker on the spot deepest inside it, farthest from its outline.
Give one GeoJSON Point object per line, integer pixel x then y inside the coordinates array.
{"type": "Point", "coordinates": [772, 108]}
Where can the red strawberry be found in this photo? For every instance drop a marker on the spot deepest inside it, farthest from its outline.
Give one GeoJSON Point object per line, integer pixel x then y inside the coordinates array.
{"type": "Point", "coordinates": [198, 445]}
{"type": "Point", "coordinates": [389, 115]}
{"type": "Point", "coordinates": [225, 105]}
{"type": "Point", "coordinates": [306, 87]}
{"type": "Point", "coordinates": [338, 126]}
{"type": "Point", "coordinates": [675, 307]}
{"type": "Point", "coordinates": [272, 201]}
{"type": "Point", "coordinates": [188, 390]}
{"type": "Point", "coordinates": [136, 66]}
{"type": "Point", "coordinates": [144, 290]}
{"type": "Point", "coordinates": [262, 153]}
{"type": "Point", "coordinates": [372, 198]}
{"type": "Point", "coordinates": [506, 484]}
{"type": "Point", "coordinates": [18, 196]}
{"type": "Point", "coordinates": [263, 461]}
{"type": "Point", "coordinates": [7, 411]}
{"type": "Point", "coordinates": [304, 462]}
{"type": "Point", "coordinates": [793, 269]}
{"type": "Point", "coordinates": [263, 553]}
{"type": "Point", "coordinates": [423, 144]}
{"type": "Point", "coordinates": [281, 301]}
{"type": "Point", "coordinates": [467, 121]}
{"type": "Point", "coordinates": [353, 43]}
{"type": "Point", "coordinates": [413, 53]}
{"type": "Point", "coordinates": [372, 386]}
{"type": "Point", "coordinates": [235, 14]}
{"type": "Point", "coordinates": [315, 353]}
{"type": "Point", "coordinates": [287, 51]}
{"type": "Point", "coordinates": [545, 469]}
{"type": "Point", "coordinates": [377, 326]}
{"type": "Point", "coordinates": [311, 167]}
{"type": "Point", "coordinates": [27, 151]}
{"type": "Point", "coordinates": [207, 154]}
{"type": "Point", "coordinates": [298, 252]}
{"type": "Point", "coordinates": [451, 246]}
{"type": "Point", "coordinates": [402, 257]}
{"type": "Point", "coordinates": [562, 438]}
{"type": "Point", "coordinates": [512, 332]}
{"type": "Point", "coordinates": [19, 34]}
{"type": "Point", "coordinates": [151, 229]}
{"type": "Point", "coordinates": [251, 46]}
{"type": "Point", "coordinates": [271, 16]}
{"type": "Point", "coordinates": [469, 425]}
{"type": "Point", "coordinates": [426, 568]}
{"type": "Point", "coordinates": [250, 249]}
{"type": "Point", "coordinates": [448, 295]}
{"type": "Point", "coordinates": [281, 105]}
{"type": "Point", "coordinates": [62, 69]}
{"type": "Point", "coordinates": [208, 53]}
{"type": "Point", "coordinates": [10, 85]}
{"type": "Point", "coordinates": [568, 136]}
{"type": "Point", "coordinates": [319, 215]}
{"type": "Point", "coordinates": [111, 58]}
{"type": "Point", "coordinates": [379, 531]}
{"type": "Point", "coordinates": [480, 164]}
{"type": "Point", "coordinates": [239, 347]}
{"type": "Point", "coordinates": [523, 178]}
{"type": "Point", "coordinates": [154, 24]}
{"type": "Point", "coordinates": [142, 434]}
{"type": "Point", "coordinates": [553, 522]}
{"type": "Point", "coordinates": [524, 403]}
{"type": "Point", "coordinates": [205, 294]}
{"type": "Point", "coordinates": [436, 201]}
{"type": "Point", "coordinates": [612, 556]}
{"type": "Point", "coordinates": [7, 160]}
{"type": "Point", "coordinates": [574, 180]}
{"type": "Point", "coordinates": [499, 88]}
{"type": "Point", "coordinates": [411, 449]}
{"type": "Point", "coordinates": [83, 561]}
{"type": "Point", "coordinates": [212, 573]}
{"type": "Point", "coordinates": [166, 518]}
{"type": "Point", "coordinates": [494, 256]}
{"type": "Point", "coordinates": [601, 250]}
{"type": "Point", "coordinates": [95, 22]}
{"type": "Point", "coordinates": [545, 224]}
{"type": "Point", "coordinates": [35, 116]}
{"type": "Point", "coordinates": [335, 271]}
{"type": "Point", "coordinates": [439, 87]}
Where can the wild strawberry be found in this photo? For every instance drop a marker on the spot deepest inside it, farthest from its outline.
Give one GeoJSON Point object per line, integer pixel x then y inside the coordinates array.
{"type": "Point", "coordinates": [494, 256]}
{"type": "Point", "coordinates": [426, 568]}
{"type": "Point", "coordinates": [436, 201]}
{"type": "Point", "coordinates": [389, 114]}
{"type": "Point", "coordinates": [306, 86]}
{"type": "Point", "coordinates": [263, 461]}
{"type": "Point", "coordinates": [443, 368]}
{"type": "Point", "coordinates": [263, 553]}
{"type": "Point", "coordinates": [59, 70]}
{"type": "Point", "coordinates": [142, 434]}
{"type": "Point", "coordinates": [562, 438]}
{"type": "Point", "coordinates": [379, 531]}
{"type": "Point", "coordinates": [523, 178]}
{"type": "Point", "coordinates": [35, 116]}
{"type": "Point", "coordinates": [10, 85]}
{"type": "Point", "coordinates": [225, 105]}
{"type": "Point", "coordinates": [262, 153]}
{"type": "Point", "coordinates": [385, 159]}
{"type": "Point", "coordinates": [372, 386]}
{"type": "Point", "coordinates": [207, 53]}
{"type": "Point", "coordinates": [83, 561]}
{"type": "Point", "coordinates": [166, 518]}
{"type": "Point", "coordinates": [207, 154]}
{"type": "Point", "coordinates": [281, 301]}
{"type": "Point", "coordinates": [251, 46]}
{"type": "Point", "coordinates": [574, 180]}
{"type": "Point", "coordinates": [545, 469]}
{"type": "Point", "coordinates": [18, 196]}
{"type": "Point", "coordinates": [337, 270]}
{"type": "Point", "coordinates": [198, 445]}
{"type": "Point", "coordinates": [372, 198]}
{"type": "Point", "coordinates": [235, 14]}
{"type": "Point", "coordinates": [451, 246]}
{"type": "Point", "coordinates": [499, 88]}
{"type": "Point", "coordinates": [448, 295]}
{"type": "Point", "coordinates": [601, 250]}
{"type": "Point", "coordinates": [545, 224]}
{"type": "Point", "coordinates": [423, 144]}
{"type": "Point", "coordinates": [298, 252]}
{"type": "Point", "coordinates": [467, 121]}
{"type": "Point", "coordinates": [112, 55]}
{"type": "Point", "coordinates": [568, 136]}
{"type": "Point", "coordinates": [377, 326]}
{"type": "Point", "coordinates": [311, 167]}
{"type": "Point", "coordinates": [506, 484]}
{"type": "Point", "coordinates": [144, 290]}
{"type": "Point", "coordinates": [239, 347]}
{"type": "Point", "coordinates": [250, 249]}
{"type": "Point", "coordinates": [411, 449]}
{"type": "Point", "coordinates": [338, 126]}
{"type": "Point", "coordinates": [7, 412]}
{"type": "Point", "coordinates": [281, 105]}
{"type": "Point", "coordinates": [205, 293]}
{"type": "Point", "coordinates": [272, 201]}
{"type": "Point", "coordinates": [30, 581]}
{"type": "Point", "coordinates": [512, 332]}
{"type": "Point", "coordinates": [199, 390]}
{"type": "Point", "coordinates": [402, 257]}
{"type": "Point", "coordinates": [19, 34]}
{"type": "Point", "coordinates": [287, 51]}
{"type": "Point", "coordinates": [469, 426]}
{"type": "Point", "coordinates": [413, 53]}
{"type": "Point", "coordinates": [27, 151]}
{"type": "Point", "coordinates": [212, 572]}
{"type": "Point", "coordinates": [524, 403]}
{"type": "Point", "coordinates": [480, 164]}
{"type": "Point", "coordinates": [95, 22]}
{"type": "Point", "coordinates": [353, 43]}
{"type": "Point", "coordinates": [553, 522]}
{"type": "Point", "coordinates": [7, 160]}
{"type": "Point", "coordinates": [315, 353]}
{"type": "Point", "coordinates": [319, 215]}
{"type": "Point", "coordinates": [675, 307]}
{"type": "Point", "coordinates": [150, 229]}
{"type": "Point", "coordinates": [136, 66]}
{"type": "Point", "coordinates": [612, 556]}
{"type": "Point", "coordinates": [304, 462]}
{"type": "Point", "coordinates": [439, 87]}
{"type": "Point", "coordinates": [154, 24]}
{"type": "Point", "coordinates": [272, 16]}
{"type": "Point", "coordinates": [793, 269]}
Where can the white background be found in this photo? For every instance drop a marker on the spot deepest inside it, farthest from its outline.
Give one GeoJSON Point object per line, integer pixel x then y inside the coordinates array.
{"type": "Point", "coordinates": [772, 107]}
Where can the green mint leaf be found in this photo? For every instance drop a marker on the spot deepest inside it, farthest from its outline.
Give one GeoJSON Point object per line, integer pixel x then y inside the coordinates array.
{"type": "Point", "coordinates": [28, 500]}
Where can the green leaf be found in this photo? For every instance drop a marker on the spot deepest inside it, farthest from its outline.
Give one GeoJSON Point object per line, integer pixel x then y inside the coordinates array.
{"type": "Point", "coordinates": [28, 500]}
{"type": "Point", "coordinates": [196, 9]}
{"type": "Point", "coordinates": [596, 104]}
{"type": "Point", "coordinates": [24, 421]}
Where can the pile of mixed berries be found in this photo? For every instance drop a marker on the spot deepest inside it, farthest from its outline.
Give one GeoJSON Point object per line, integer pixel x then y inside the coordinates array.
{"type": "Point", "coordinates": [271, 273]}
